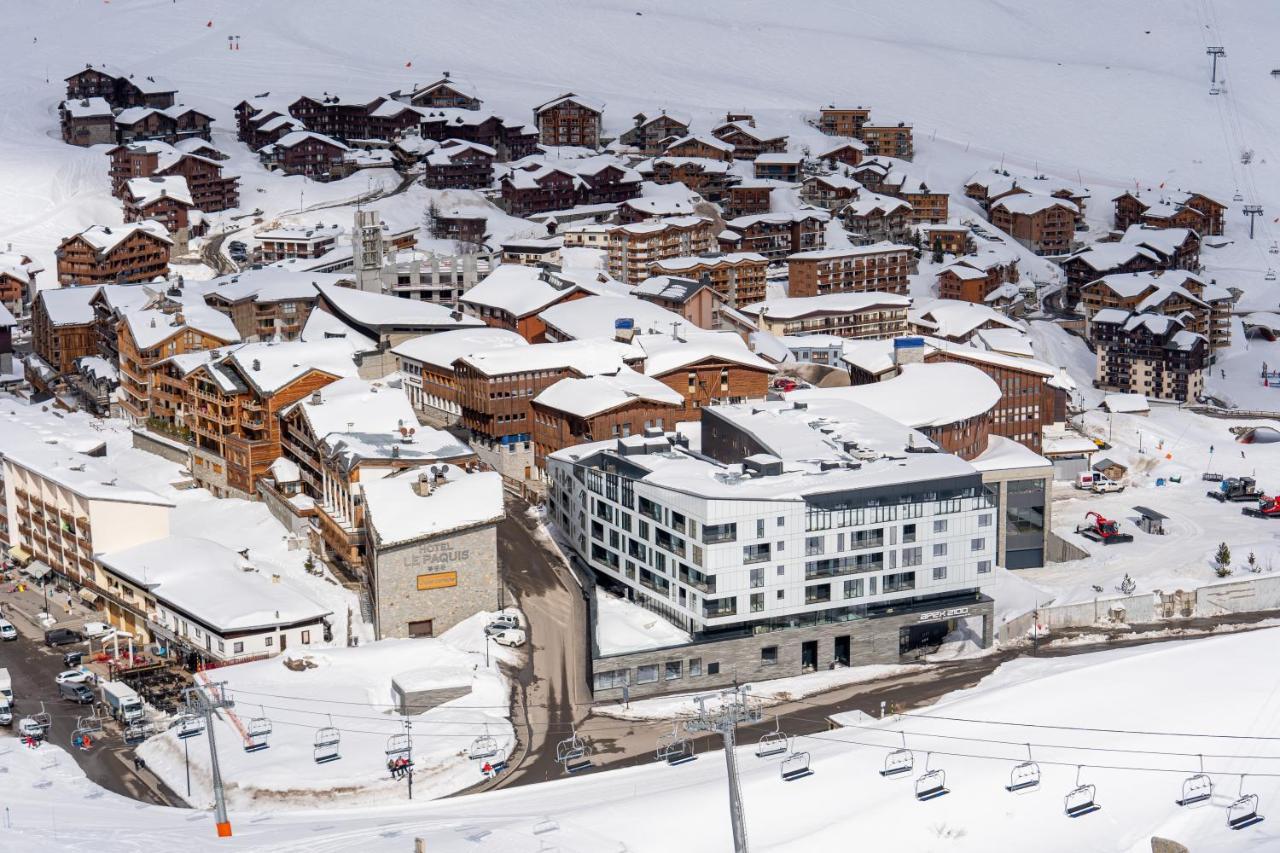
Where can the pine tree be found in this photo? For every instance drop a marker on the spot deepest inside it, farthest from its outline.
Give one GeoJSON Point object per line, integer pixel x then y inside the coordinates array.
{"type": "Point", "coordinates": [937, 250]}
{"type": "Point", "coordinates": [1252, 560]}
{"type": "Point", "coordinates": [1223, 560]}
{"type": "Point", "coordinates": [431, 218]}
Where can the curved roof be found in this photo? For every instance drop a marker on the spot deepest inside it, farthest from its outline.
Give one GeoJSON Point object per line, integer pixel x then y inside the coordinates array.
{"type": "Point", "coordinates": [922, 395]}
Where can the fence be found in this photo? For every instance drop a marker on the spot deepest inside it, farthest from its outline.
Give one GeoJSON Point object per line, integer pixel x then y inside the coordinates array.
{"type": "Point", "coordinates": [1253, 594]}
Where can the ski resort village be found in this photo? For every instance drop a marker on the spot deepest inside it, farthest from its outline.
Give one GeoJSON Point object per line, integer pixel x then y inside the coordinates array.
{"type": "Point", "coordinates": [640, 428]}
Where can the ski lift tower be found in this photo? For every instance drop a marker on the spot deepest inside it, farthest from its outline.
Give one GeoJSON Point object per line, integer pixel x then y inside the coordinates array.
{"type": "Point", "coordinates": [1253, 211]}
{"type": "Point", "coordinates": [205, 700]}
{"type": "Point", "coordinates": [1215, 52]}
{"type": "Point", "coordinates": [735, 708]}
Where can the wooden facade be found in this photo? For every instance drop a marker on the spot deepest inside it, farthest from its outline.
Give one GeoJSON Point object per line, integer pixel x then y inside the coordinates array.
{"type": "Point", "coordinates": [1042, 224]}
{"type": "Point", "coordinates": [59, 342]}
{"type": "Point", "coordinates": [210, 191]}
{"type": "Point", "coordinates": [569, 120]}
{"type": "Point", "coordinates": [555, 429]}
{"type": "Point", "coordinates": [738, 279]}
{"type": "Point", "coordinates": [141, 256]}
{"type": "Point", "coordinates": [713, 381]}
{"type": "Point", "coordinates": [776, 235]}
{"type": "Point", "coordinates": [1175, 210]}
{"type": "Point", "coordinates": [634, 249]}
{"type": "Point", "coordinates": [883, 268]}
{"type": "Point", "coordinates": [650, 133]}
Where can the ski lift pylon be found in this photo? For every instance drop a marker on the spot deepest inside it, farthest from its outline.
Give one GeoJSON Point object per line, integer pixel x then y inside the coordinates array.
{"type": "Point", "coordinates": [1243, 812]}
{"type": "Point", "coordinates": [899, 761]}
{"type": "Point", "coordinates": [1024, 776]}
{"type": "Point", "coordinates": [327, 742]}
{"type": "Point", "coordinates": [1197, 788]}
{"type": "Point", "coordinates": [772, 743]}
{"type": "Point", "coordinates": [1082, 799]}
{"type": "Point", "coordinates": [795, 766]}
{"type": "Point", "coordinates": [932, 783]}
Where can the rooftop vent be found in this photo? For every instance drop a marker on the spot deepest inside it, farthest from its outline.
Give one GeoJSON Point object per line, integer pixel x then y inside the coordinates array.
{"type": "Point", "coordinates": [257, 365]}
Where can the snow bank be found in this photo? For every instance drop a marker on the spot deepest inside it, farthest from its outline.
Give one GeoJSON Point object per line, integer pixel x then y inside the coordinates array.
{"type": "Point", "coordinates": [625, 627]}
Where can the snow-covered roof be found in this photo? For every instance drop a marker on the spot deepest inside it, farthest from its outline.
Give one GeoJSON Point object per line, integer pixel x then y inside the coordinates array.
{"type": "Point", "coordinates": [687, 262]}
{"type": "Point", "coordinates": [396, 514]}
{"type": "Point", "coordinates": [838, 182]}
{"type": "Point", "coordinates": [68, 306]}
{"type": "Point", "coordinates": [921, 395]}
{"type": "Point", "coordinates": [1032, 203]}
{"type": "Point", "coordinates": [993, 357]}
{"type": "Point", "coordinates": [519, 290]}
{"type": "Point", "coordinates": [443, 156]}
{"type": "Point", "coordinates": [848, 251]}
{"type": "Point", "coordinates": [1126, 403]}
{"type": "Point", "coordinates": [597, 394]}
{"type": "Point", "coordinates": [269, 284]}
{"type": "Point", "coordinates": [1101, 257]}
{"type": "Point", "coordinates": [323, 326]}
{"type": "Point", "coordinates": [96, 367]}
{"type": "Point", "coordinates": [212, 583]}
{"type": "Point", "coordinates": [868, 203]}
{"type": "Point", "coordinates": [285, 470]}
{"type": "Point", "coordinates": [782, 158]}
{"type": "Point", "coordinates": [594, 317]}
{"type": "Point", "coordinates": [1008, 341]}
{"type": "Point", "coordinates": [705, 164]}
{"type": "Point", "coordinates": [873, 356]}
{"type": "Point", "coordinates": [705, 139]}
{"type": "Point", "coordinates": [1166, 241]}
{"type": "Point", "coordinates": [297, 137]}
{"type": "Point", "coordinates": [586, 357]}
{"type": "Point", "coordinates": [663, 353]}
{"type": "Point", "coordinates": [271, 366]}
{"type": "Point", "coordinates": [1005, 454]}
{"type": "Point", "coordinates": [956, 319]}
{"type": "Point", "coordinates": [147, 191]}
{"type": "Point", "coordinates": [380, 311]}
{"type": "Point", "coordinates": [151, 327]}
{"type": "Point", "coordinates": [86, 477]}
{"type": "Point", "coordinates": [592, 105]}
{"type": "Point", "coordinates": [105, 238]}
{"type": "Point", "coordinates": [87, 107]}
{"type": "Point", "coordinates": [669, 288]}
{"type": "Point", "coordinates": [661, 206]}
{"type": "Point", "coordinates": [789, 308]}
{"type": "Point", "coordinates": [782, 218]}
{"type": "Point", "coordinates": [760, 133]}
{"type": "Point", "coordinates": [442, 349]}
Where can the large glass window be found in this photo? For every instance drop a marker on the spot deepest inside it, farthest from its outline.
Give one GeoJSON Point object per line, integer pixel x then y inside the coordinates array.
{"type": "Point", "coordinates": [716, 533]}
{"type": "Point", "coordinates": [899, 582]}
{"type": "Point", "coordinates": [755, 553]}
{"type": "Point", "coordinates": [714, 607]}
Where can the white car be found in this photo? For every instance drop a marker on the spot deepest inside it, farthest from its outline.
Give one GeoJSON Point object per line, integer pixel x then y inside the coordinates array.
{"type": "Point", "coordinates": [503, 622]}
{"type": "Point", "coordinates": [96, 629]}
{"type": "Point", "coordinates": [71, 676]}
{"type": "Point", "coordinates": [7, 631]}
{"type": "Point", "coordinates": [512, 637]}
{"type": "Point", "coordinates": [28, 727]}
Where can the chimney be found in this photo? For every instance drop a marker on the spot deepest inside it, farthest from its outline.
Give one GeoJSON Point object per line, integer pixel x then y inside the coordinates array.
{"type": "Point", "coordinates": [624, 329]}
{"type": "Point", "coordinates": [316, 398]}
{"type": "Point", "coordinates": [257, 365]}
{"type": "Point", "coordinates": [422, 485]}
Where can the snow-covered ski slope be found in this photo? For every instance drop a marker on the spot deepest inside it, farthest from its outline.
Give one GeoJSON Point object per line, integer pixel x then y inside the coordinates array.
{"type": "Point", "coordinates": [1106, 92]}
{"type": "Point", "coordinates": [844, 805]}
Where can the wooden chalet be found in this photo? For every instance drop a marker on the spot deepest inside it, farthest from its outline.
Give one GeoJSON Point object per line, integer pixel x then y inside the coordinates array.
{"type": "Point", "coordinates": [105, 254]}
{"type": "Point", "coordinates": [569, 120]}
{"type": "Point", "coordinates": [650, 134]}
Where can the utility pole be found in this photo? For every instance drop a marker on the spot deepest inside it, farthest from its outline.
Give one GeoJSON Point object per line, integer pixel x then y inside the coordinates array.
{"type": "Point", "coordinates": [1253, 211]}
{"type": "Point", "coordinates": [734, 709]}
{"type": "Point", "coordinates": [1215, 52]}
{"type": "Point", "coordinates": [200, 700]}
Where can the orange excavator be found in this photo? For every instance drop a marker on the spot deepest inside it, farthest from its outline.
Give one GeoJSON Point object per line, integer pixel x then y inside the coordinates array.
{"type": "Point", "coordinates": [1104, 530]}
{"type": "Point", "coordinates": [1268, 507]}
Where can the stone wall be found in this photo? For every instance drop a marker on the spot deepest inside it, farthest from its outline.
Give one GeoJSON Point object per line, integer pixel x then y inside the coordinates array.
{"type": "Point", "coordinates": [162, 446]}
{"type": "Point", "coordinates": [398, 599]}
{"type": "Point", "coordinates": [739, 659]}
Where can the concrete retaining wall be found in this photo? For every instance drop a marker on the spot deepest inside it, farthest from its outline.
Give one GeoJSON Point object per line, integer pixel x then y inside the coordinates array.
{"type": "Point", "coordinates": [168, 448]}
{"type": "Point", "coordinates": [1254, 593]}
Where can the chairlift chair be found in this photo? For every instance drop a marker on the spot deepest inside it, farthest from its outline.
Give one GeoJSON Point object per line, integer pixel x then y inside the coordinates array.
{"type": "Point", "coordinates": [1080, 800]}
{"type": "Point", "coordinates": [397, 745]}
{"type": "Point", "coordinates": [43, 719]}
{"type": "Point", "coordinates": [1243, 812]}
{"type": "Point", "coordinates": [190, 725]}
{"type": "Point", "coordinates": [1214, 90]}
{"type": "Point", "coordinates": [1196, 789]}
{"type": "Point", "coordinates": [1024, 776]}
{"type": "Point", "coordinates": [795, 766]}
{"type": "Point", "coordinates": [80, 738]}
{"type": "Point", "coordinates": [573, 754]}
{"type": "Point", "coordinates": [1270, 276]}
{"type": "Point", "coordinates": [327, 741]}
{"type": "Point", "coordinates": [137, 732]}
{"type": "Point", "coordinates": [932, 783]}
{"type": "Point", "coordinates": [484, 746]}
{"type": "Point", "coordinates": [772, 743]}
{"type": "Point", "coordinates": [91, 724]}
{"type": "Point", "coordinates": [256, 734]}
{"type": "Point", "coordinates": [899, 761]}
{"type": "Point", "coordinates": [1237, 196]}
{"type": "Point", "coordinates": [499, 761]}
{"type": "Point", "coordinates": [674, 747]}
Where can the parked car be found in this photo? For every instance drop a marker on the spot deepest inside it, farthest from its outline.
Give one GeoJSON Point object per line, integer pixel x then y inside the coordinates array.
{"type": "Point", "coordinates": [503, 622]}
{"type": "Point", "coordinates": [96, 629]}
{"type": "Point", "coordinates": [28, 727]}
{"type": "Point", "coordinates": [62, 637]}
{"type": "Point", "coordinates": [513, 637]}
{"type": "Point", "coordinates": [7, 631]}
{"type": "Point", "coordinates": [76, 692]}
{"type": "Point", "coordinates": [71, 676]}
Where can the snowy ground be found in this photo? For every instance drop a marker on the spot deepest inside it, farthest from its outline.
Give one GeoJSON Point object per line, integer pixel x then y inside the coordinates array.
{"type": "Point", "coordinates": [976, 737]}
{"type": "Point", "coordinates": [625, 627]}
{"type": "Point", "coordinates": [350, 689]}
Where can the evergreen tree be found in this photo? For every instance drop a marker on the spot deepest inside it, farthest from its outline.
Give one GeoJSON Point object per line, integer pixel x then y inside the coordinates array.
{"type": "Point", "coordinates": [937, 250]}
{"type": "Point", "coordinates": [1223, 560]}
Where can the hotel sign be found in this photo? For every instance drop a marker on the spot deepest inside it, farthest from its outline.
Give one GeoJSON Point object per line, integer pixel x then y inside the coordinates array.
{"type": "Point", "coordinates": [437, 580]}
{"type": "Point", "coordinates": [934, 615]}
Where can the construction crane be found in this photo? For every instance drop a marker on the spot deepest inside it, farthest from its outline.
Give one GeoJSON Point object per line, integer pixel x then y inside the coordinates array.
{"type": "Point", "coordinates": [1099, 529]}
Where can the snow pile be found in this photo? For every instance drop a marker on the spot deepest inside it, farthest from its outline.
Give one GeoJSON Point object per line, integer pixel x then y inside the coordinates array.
{"type": "Point", "coordinates": [349, 689]}
{"type": "Point", "coordinates": [623, 627]}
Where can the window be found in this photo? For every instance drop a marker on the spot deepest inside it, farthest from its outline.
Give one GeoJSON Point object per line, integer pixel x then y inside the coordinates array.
{"type": "Point", "coordinates": [221, 647]}
{"type": "Point", "coordinates": [853, 588]}
{"type": "Point", "coordinates": [782, 570]}
{"type": "Point", "coordinates": [757, 578]}
{"type": "Point", "coordinates": [939, 573]}
{"type": "Point", "coordinates": [611, 679]}
{"type": "Point", "coordinates": [769, 655]}
{"type": "Point", "coordinates": [715, 533]}
{"type": "Point", "coordinates": [817, 593]}
{"type": "Point", "coordinates": [306, 638]}
{"type": "Point", "coordinates": [912, 556]}
{"type": "Point", "coordinates": [984, 566]}
{"type": "Point", "coordinates": [813, 545]}
{"type": "Point", "coordinates": [695, 667]}
{"type": "Point", "coordinates": [266, 641]}
{"type": "Point", "coordinates": [781, 546]}
{"type": "Point", "coordinates": [984, 520]}
{"type": "Point", "coordinates": [940, 525]}
{"type": "Point", "coordinates": [237, 648]}
{"type": "Point", "coordinates": [782, 593]}
{"type": "Point", "coordinates": [755, 553]}
{"type": "Point", "coordinates": [759, 528]}
{"type": "Point", "coordinates": [782, 521]}
{"type": "Point", "coordinates": [940, 549]}
{"type": "Point", "coordinates": [713, 668]}
{"type": "Point", "coordinates": [757, 602]}
{"type": "Point", "coordinates": [715, 607]}
{"type": "Point", "coordinates": [673, 670]}
{"type": "Point", "coordinates": [899, 582]}
{"type": "Point", "coordinates": [977, 544]}
{"type": "Point", "coordinates": [647, 674]}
